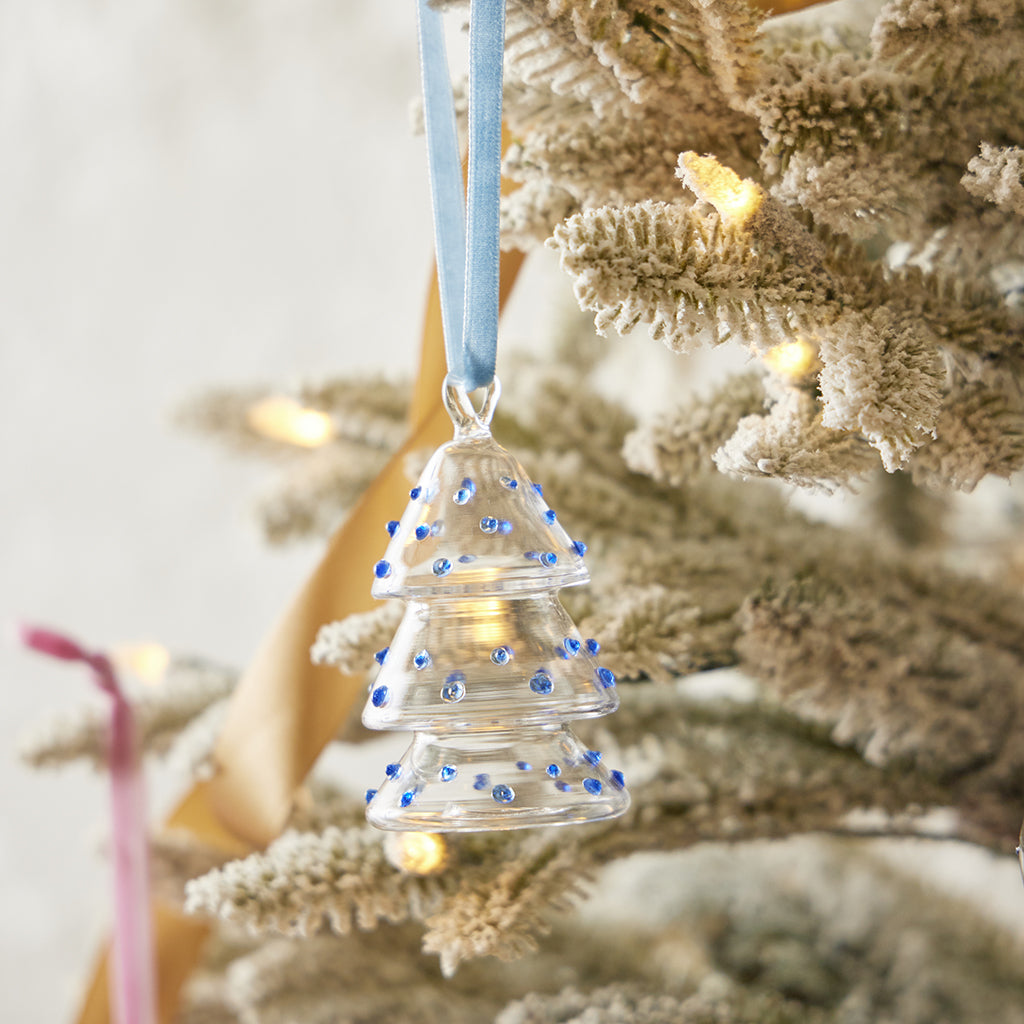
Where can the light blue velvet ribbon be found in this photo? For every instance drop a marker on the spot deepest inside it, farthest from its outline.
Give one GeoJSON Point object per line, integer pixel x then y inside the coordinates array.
{"type": "Point", "coordinates": [466, 242]}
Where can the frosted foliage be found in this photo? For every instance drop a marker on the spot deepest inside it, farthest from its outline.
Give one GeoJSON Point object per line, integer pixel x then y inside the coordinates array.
{"type": "Point", "coordinates": [980, 431]}
{"type": "Point", "coordinates": [793, 443]}
{"type": "Point", "coordinates": [629, 1005]}
{"type": "Point", "coordinates": [997, 174]}
{"type": "Point", "coordinates": [503, 917]}
{"type": "Point", "coordinates": [693, 278]}
{"type": "Point", "coordinates": [349, 645]}
{"type": "Point", "coordinates": [824, 924]}
{"type": "Point", "coordinates": [844, 194]}
{"type": "Point", "coordinates": [165, 715]}
{"type": "Point", "coordinates": [339, 877]}
{"type": "Point", "coordinates": [647, 633]}
{"type": "Point", "coordinates": [898, 139]}
{"type": "Point", "coordinates": [882, 377]}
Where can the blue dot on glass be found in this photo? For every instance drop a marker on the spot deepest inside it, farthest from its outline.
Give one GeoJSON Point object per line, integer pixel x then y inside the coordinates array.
{"type": "Point", "coordinates": [541, 683]}
{"type": "Point", "coordinates": [370, 794]}
{"type": "Point", "coordinates": [392, 771]}
{"type": "Point", "coordinates": [489, 524]}
{"type": "Point", "coordinates": [505, 527]}
{"type": "Point", "coordinates": [539, 489]}
{"type": "Point", "coordinates": [382, 655]}
{"type": "Point", "coordinates": [422, 531]}
{"type": "Point", "coordinates": [509, 482]}
{"type": "Point", "coordinates": [422, 660]}
{"type": "Point", "coordinates": [379, 697]}
{"type": "Point", "coordinates": [553, 770]}
{"type": "Point", "coordinates": [466, 559]}
{"type": "Point", "coordinates": [391, 526]}
{"type": "Point", "coordinates": [592, 786]}
{"type": "Point", "coordinates": [407, 797]}
{"type": "Point", "coordinates": [462, 496]}
{"type": "Point", "coordinates": [562, 786]}
{"type": "Point", "coordinates": [415, 493]}
{"type": "Point", "coordinates": [562, 653]}
{"type": "Point", "coordinates": [533, 556]}
{"type": "Point", "coordinates": [618, 779]}
{"type": "Point", "coordinates": [592, 646]}
{"type": "Point", "coordinates": [441, 567]}
{"type": "Point", "coordinates": [550, 517]}
{"type": "Point", "coordinates": [572, 645]}
{"type": "Point", "coordinates": [448, 772]}
{"type": "Point", "coordinates": [606, 677]}
{"type": "Point", "coordinates": [592, 757]}
{"type": "Point", "coordinates": [454, 688]}
{"type": "Point", "coordinates": [436, 527]}
{"type": "Point", "coordinates": [549, 558]}
{"type": "Point", "coordinates": [382, 569]}
{"type": "Point", "coordinates": [467, 484]}
{"type": "Point", "coordinates": [524, 766]}
{"type": "Point", "coordinates": [501, 655]}
{"type": "Point", "coordinates": [503, 794]}
{"type": "Point", "coordinates": [579, 547]}
{"type": "Point", "coordinates": [482, 781]}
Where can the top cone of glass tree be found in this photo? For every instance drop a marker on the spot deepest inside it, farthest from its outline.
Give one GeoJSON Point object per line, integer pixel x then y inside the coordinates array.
{"type": "Point", "coordinates": [486, 667]}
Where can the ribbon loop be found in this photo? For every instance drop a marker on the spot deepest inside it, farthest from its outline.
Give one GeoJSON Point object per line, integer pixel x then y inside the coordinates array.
{"type": "Point", "coordinates": [466, 417]}
{"type": "Point", "coordinates": [470, 326]}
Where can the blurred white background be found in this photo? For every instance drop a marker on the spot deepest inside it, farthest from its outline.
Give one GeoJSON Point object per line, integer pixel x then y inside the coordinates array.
{"type": "Point", "coordinates": [192, 193]}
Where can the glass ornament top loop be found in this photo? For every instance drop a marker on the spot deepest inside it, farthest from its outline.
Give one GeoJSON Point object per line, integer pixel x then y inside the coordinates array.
{"type": "Point", "coordinates": [465, 416]}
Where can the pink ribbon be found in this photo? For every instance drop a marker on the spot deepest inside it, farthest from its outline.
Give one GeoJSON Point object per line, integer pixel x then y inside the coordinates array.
{"type": "Point", "coordinates": [134, 979]}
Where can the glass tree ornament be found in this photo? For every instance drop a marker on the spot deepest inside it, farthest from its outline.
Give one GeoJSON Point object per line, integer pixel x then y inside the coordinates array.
{"type": "Point", "coordinates": [486, 667]}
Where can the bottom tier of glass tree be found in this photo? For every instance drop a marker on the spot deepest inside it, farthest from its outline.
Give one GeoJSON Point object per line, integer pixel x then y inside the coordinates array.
{"type": "Point", "coordinates": [496, 780]}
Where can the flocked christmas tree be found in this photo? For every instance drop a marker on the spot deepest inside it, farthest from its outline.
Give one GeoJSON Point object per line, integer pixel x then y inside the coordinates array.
{"type": "Point", "coordinates": [840, 196]}
{"type": "Point", "coordinates": [486, 666]}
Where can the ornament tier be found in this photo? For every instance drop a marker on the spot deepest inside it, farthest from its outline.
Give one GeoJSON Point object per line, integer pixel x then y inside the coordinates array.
{"type": "Point", "coordinates": [457, 665]}
{"type": "Point", "coordinates": [486, 666]}
{"type": "Point", "coordinates": [500, 780]}
{"type": "Point", "coordinates": [475, 524]}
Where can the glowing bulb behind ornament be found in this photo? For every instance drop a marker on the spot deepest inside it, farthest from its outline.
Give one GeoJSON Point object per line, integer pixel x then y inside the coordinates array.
{"type": "Point", "coordinates": [490, 623]}
{"type": "Point", "coordinates": [417, 853]}
{"type": "Point", "coordinates": [792, 359]}
{"type": "Point", "coordinates": [280, 418]}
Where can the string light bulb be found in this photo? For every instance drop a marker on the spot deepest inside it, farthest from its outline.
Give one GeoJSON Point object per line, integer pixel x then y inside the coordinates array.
{"type": "Point", "coordinates": [147, 662]}
{"type": "Point", "coordinates": [417, 853]}
{"type": "Point", "coordinates": [281, 418]}
{"type": "Point", "coordinates": [792, 359]}
{"type": "Point", "coordinates": [736, 199]}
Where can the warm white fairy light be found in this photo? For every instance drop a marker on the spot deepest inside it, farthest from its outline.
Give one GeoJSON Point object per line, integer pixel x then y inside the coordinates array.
{"type": "Point", "coordinates": [736, 199]}
{"type": "Point", "coordinates": [281, 418]}
{"type": "Point", "coordinates": [792, 359]}
{"type": "Point", "coordinates": [147, 662]}
{"type": "Point", "coordinates": [417, 853]}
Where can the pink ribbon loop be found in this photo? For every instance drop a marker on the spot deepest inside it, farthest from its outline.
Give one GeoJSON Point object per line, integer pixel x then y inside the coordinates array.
{"type": "Point", "coordinates": [134, 977]}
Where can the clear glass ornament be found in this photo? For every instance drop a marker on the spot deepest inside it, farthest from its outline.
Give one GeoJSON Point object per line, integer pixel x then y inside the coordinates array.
{"type": "Point", "coordinates": [497, 780]}
{"type": "Point", "coordinates": [519, 661]}
{"type": "Point", "coordinates": [486, 666]}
